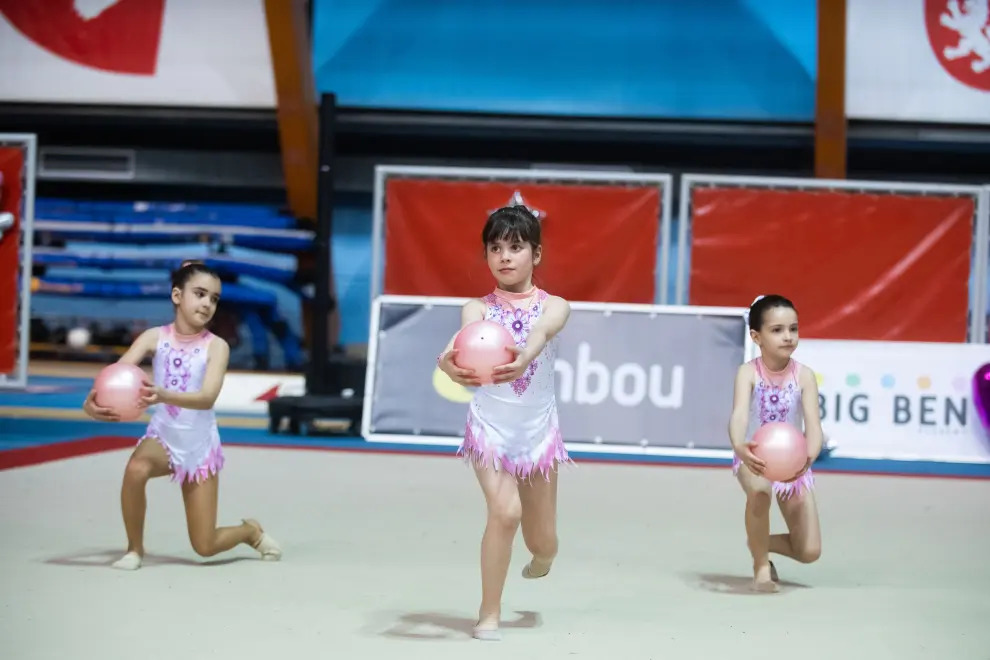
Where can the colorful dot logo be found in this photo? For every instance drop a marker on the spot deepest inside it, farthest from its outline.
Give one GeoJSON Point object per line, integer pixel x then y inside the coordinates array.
{"type": "Point", "coordinates": [852, 380]}
{"type": "Point", "coordinates": [924, 382]}
{"type": "Point", "coordinates": [819, 379]}
{"type": "Point", "coordinates": [887, 381]}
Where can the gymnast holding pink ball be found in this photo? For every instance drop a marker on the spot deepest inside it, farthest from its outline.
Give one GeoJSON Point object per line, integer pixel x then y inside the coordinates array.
{"type": "Point", "coordinates": [776, 433]}
{"type": "Point", "coordinates": [182, 439]}
{"type": "Point", "coordinates": [506, 347]}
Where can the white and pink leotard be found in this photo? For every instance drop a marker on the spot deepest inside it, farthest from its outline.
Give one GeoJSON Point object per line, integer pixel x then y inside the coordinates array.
{"type": "Point", "coordinates": [514, 426]}
{"type": "Point", "coordinates": [190, 437]}
{"type": "Point", "coordinates": [777, 400]}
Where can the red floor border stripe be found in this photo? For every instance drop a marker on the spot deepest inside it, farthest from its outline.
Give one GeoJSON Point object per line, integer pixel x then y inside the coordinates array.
{"type": "Point", "coordinates": [56, 451]}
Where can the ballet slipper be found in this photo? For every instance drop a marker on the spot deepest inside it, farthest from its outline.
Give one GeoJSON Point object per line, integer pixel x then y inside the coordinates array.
{"type": "Point", "coordinates": [487, 634]}
{"type": "Point", "coordinates": [266, 545]}
{"type": "Point", "coordinates": [530, 573]}
{"type": "Point", "coordinates": [763, 581]}
{"type": "Point", "coordinates": [129, 562]}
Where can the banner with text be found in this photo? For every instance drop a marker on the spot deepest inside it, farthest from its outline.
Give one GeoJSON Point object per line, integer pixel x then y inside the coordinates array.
{"type": "Point", "coordinates": [918, 60]}
{"type": "Point", "coordinates": [899, 400]}
{"type": "Point", "coordinates": [643, 378]}
{"type": "Point", "coordinates": [203, 53]}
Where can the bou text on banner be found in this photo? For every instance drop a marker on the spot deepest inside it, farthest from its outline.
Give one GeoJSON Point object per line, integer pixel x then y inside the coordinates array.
{"type": "Point", "coordinates": [633, 376]}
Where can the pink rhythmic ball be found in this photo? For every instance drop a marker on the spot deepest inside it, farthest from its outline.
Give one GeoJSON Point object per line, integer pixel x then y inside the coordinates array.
{"type": "Point", "coordinates": [118, 387]}
{"type": "Point", "coordinates": [783, 448]}
{"type": "Point", "coordinates": [482, 346]}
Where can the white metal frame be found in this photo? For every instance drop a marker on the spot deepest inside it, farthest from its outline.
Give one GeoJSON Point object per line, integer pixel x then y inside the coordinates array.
{"type": "Point", "coordinates": [28, 142]}
{"type": "Point", "coordinates": [981, 220]}
{"type": "Point", "coordinates": [382, 172]}
{"type": "Point", "coordinates": [749, 351]}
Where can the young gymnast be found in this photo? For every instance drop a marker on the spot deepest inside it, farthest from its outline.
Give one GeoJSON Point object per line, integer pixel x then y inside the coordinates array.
{"type": "Point", "coordinates": [775, 388]}
{"type": "Point", "coordinates": [182, 438]}
{"type": "Point", "coordinates": [512, 435]}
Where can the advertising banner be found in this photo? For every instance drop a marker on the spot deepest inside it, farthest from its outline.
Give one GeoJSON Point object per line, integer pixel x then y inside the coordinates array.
{"type": "Point", "coordinates": [918, 60]}
{"type": "Point", "coordinates": [600, 240]}
{"type": "Point", "coordinates": [905, 277]}
{"type": "Point", "coordinates": [193, 53]}
{"type": "Point", "coordinates": [249, 393]}
{"type": "Point", "coordinates": [625, 375]}
{"type": "Point", "coordinates": [11, 171]}
{"type": "Point", "coordinates": [899, 400]}
{"type": "Point", "coordinates": [718, 59]}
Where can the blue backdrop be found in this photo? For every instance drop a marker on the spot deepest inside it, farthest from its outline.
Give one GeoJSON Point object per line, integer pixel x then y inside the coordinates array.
{"type": "Point", "coordinates": [697, 59]}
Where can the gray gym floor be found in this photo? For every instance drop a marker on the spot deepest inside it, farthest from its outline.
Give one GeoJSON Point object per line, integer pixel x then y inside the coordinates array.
{"type": "Point", "coordinates": [381, 561]}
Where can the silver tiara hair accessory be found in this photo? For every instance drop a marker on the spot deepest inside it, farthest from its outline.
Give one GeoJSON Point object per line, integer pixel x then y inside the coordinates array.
{"type": "Point", "coordinates": [758, 299]}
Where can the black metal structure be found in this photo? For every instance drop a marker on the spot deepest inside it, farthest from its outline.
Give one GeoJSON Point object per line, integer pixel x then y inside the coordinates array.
{"type": "Point", "coordinates": [323, 298]}
{"type": "Point", "coordinates": [332, 404]}
{"type": "Point", "coordinates": [230, 138]}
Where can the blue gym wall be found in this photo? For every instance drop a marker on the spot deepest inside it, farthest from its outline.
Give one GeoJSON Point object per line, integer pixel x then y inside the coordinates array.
{"type": "Point", "coordinates": [716, 59]}
{"type": "Point", "coordinates": [352, 266]}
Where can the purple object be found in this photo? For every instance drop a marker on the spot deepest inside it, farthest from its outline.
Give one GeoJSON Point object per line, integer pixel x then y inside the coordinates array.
{"type": "Point", "coordinates": [981, 395]}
